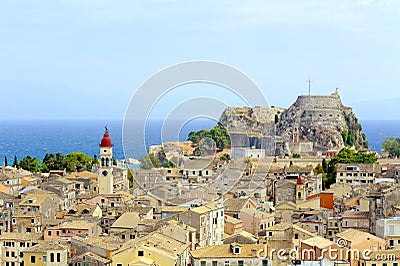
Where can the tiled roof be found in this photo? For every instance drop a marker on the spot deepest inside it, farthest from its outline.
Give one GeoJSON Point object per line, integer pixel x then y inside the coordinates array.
{"type": "Point", "coordinates": [45, 246]}
{"type": "Point", "coordinates": [127, 220]}
{"type": "Point", "coordinates": [280, 227]}
{"type": "Point", "coordinates": [225, 251]}
{"type": "Point", "coordinates": [20, 236]}
{"type": "Point", "coordinates": [77, 224]}
{"type": "Point", "coordinates": [38, 199]}
{"type": "Point", "coordinates": [96, 257]}
{"type": "Point", "coordinates": [356, 235]}
{"type": "Point", "coordinates": [235, 204]}
{"type": "Point", "coordinates": [318, 241]}
{"type": "Point", "coordinates": [355, 214]}
{"type": "Point", "coordinates": [103, 242]}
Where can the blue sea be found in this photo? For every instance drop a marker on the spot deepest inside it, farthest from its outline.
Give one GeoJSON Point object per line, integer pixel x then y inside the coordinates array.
{"type": "Point", "coordinates": [38, 137]}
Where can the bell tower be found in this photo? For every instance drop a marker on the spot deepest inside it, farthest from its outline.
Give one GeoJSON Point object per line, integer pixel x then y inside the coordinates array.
{"type": "Point", "coordinates": [105, 178]}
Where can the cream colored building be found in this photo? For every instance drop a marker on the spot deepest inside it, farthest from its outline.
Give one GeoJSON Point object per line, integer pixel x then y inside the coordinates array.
{"type": "Point", "coordinates": [153, 249]}
{"type": "Point", "coordinates": [13, 245]}
{"type": "Point", "coordinates": [209, 222]}
{"type": "Point", "coordinates": [233, 254]}
{"type": "Point", "coordinates": [389, 229]}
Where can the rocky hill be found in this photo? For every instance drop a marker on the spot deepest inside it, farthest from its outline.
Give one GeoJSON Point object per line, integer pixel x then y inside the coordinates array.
{"type": "Point", "coordinates": [247, 119]}
{"type": "Point", "coordinates": [313, 123]}
{"type": "Point", "coordinates": [323, 120]}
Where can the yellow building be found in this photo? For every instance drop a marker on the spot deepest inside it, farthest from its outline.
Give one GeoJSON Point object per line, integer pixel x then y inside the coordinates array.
{"type": "Point", "coordinates": [12, 246]}
{"type": "Point", "coordinates": [230, 254]}
{"type": "Point", "coordinates": [360, 241]}
{"type": "Point", "coordinates": [381, 258]}
{"type": "Point", "coordinates": [153, 249]}
{"type": "Point", "coordinates": [46, 253]}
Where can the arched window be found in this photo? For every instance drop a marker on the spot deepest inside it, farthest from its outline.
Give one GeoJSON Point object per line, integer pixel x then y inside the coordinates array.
{"type": "Point", "coordinates": [102, 161]}
{"type": "Point", "coordinates": [107, 162]}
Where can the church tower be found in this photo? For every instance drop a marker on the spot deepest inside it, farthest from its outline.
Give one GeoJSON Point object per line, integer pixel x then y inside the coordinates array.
{"type": "Point", "coordinates": [105, 178]}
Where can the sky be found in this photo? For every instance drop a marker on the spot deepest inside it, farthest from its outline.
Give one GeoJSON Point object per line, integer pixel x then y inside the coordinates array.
{"type": "Point", "coordinates": [81, 59]}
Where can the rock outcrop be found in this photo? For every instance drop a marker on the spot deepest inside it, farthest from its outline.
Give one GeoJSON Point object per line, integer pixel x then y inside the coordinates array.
{"type": "Point", "coordinates": [323, 121]}
{"type": "Point", "coordinates": [312, 125]}
{"type": "Point", "coordinates": [251, 120]}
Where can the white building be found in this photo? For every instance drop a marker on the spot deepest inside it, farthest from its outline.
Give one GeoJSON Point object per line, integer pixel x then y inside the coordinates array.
{"type": "Point", "coordinates": [389, 229]}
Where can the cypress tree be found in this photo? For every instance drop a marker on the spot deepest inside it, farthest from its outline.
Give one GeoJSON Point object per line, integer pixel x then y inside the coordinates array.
{"type": "Point", "coordinates": [15, 164]}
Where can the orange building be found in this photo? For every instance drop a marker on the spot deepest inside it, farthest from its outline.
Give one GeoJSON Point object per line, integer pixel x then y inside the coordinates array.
{"type": "Point", "coordinates": [325, 199]}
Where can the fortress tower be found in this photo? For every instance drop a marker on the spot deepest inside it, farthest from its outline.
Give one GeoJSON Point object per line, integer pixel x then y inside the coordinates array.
{"type": "Point", "coordinates": [105, 177]}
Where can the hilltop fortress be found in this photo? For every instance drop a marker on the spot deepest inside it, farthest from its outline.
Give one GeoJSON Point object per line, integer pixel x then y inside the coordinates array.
{"type": "Point", "coordinates": [311, 126]}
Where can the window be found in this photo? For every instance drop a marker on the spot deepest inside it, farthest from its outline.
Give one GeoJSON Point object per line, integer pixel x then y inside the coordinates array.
{"type": "Point", "coordinates": [355, 223]}
{"type": "Point", "coordinates": [119, 264]}
{"type": "Point", "coordinates": [391, 229]}
{"type": "Point", "coordinates": [296, 236]}
{"type": "Point", "coordinates": [58, 257]}
{"type": "Point", "coordinates": [236, 250]}
{"type": "Point", "coordinates": [7, 254]}
{"type": "Point", "coordinates": [215, 263]}
{"type": "Point", "coordinates": [44, 259]}
{"type": "Point", "coordinates": [240, 263]}
{"type": "Point", "coordinates": [227, 263]}
{"type": "Point", "coordinates": [49, 233]}
{"type": "Point", "coordinates": [269, 233]}
{"type": "Point", "coordinates": [202, 263]}
{"type": "Point", "coordinates": [236, 215]}
{"type": "Point", "coordinates": [140, 253]}
{"type": "Point", "coordinates": [33, 259]}
{"type": "Point", "coordinates": [51, 257]}
{"type": "Point", "coordinates": [265, 263]}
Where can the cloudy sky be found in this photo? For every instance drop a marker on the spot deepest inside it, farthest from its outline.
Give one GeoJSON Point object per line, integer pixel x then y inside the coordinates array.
{"type": "Point", "coordinates": [85, 59]}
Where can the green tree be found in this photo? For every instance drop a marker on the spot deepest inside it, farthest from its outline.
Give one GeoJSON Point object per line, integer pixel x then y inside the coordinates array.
{"type": "Point", "coordinates": [169, 164]}
{"type": "Point", "coordinates": [276, 119]}
{"type": "Point", "coordinates": [318, 169]}
{"type": "Point", "coordinates": [5, 161]}
{"type": "Point", "coordinates": [26, 163]}
{"type": "Point", "coordinates": [130, 178]}
{"type": "Point", "coordinates": [31, 164]}
{"type": "Point", "coordinates": [149, 161]}
{"type": "Point", "coordinates": [193, 137]}
{"type": "Point", "coordinates": [95, 160]}
{"type": "Point", "coordinates": [218, 133]}
{"type": "Point", "coordinates": [325, 165]}
{"type": "Point", "coordinates": [77, 162]}
{"type": "Point", "coordinates": [392, 146]}
{"type": "Point", "coordinates": [15, 163]}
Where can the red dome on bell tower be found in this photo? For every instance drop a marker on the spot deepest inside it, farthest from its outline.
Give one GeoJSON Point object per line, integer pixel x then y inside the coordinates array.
{"type": "Point", "coordinates": [106, 141]}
